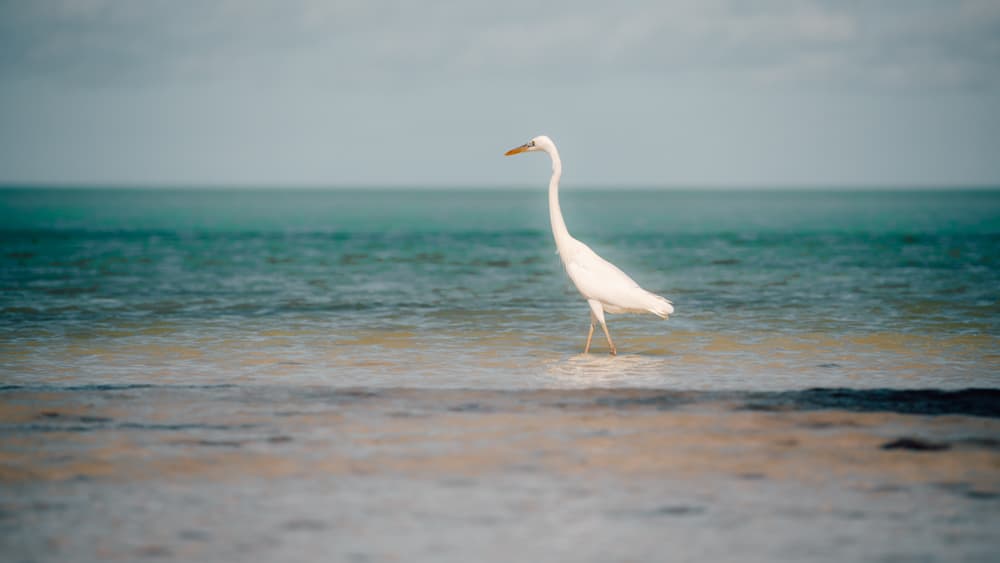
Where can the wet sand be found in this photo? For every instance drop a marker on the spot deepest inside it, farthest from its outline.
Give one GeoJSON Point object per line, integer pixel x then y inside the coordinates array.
{"type": "Point", "coordinates": [316, 473]}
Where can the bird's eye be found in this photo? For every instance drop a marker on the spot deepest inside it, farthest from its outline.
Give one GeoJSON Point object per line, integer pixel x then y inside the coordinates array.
{"type": "Point", "coordinates": [531, 144]}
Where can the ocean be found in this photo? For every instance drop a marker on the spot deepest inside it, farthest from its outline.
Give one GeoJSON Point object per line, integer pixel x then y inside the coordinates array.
{"type": "Point", "coordinates": [378, 375]}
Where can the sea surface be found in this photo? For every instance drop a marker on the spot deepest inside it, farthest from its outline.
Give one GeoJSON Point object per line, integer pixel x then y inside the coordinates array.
{"type": "Point", "coordinates": [397, 375]}
{"type": "Point", "coordinates": [454, 289]}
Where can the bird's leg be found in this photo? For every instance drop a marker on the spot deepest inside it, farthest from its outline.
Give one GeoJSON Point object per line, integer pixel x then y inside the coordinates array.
{"type": "Point", "coordinates": [597, 314]}
{"type": "Point", "coordinates": [586, 349]}
{"type": "Point", "coordinates": [614, 352]}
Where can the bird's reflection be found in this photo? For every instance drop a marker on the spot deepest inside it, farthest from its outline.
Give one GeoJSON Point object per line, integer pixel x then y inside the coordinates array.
{"type": "Point", "coordinates": [598, 370]}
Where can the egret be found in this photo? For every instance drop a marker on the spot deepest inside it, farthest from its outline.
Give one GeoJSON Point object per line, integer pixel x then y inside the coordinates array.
{"type": "Point", "coordinates": [605, 287]}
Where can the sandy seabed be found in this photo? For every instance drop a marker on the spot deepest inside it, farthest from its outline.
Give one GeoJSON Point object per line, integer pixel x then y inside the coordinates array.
{"type": "Point", "coordinates": [311, 473]}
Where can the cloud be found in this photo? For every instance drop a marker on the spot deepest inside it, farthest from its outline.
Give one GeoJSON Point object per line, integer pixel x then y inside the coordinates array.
{"type": "Point", "coordinates": [258, 91]}
{"type": "Point", "coordinates": [394, 43]}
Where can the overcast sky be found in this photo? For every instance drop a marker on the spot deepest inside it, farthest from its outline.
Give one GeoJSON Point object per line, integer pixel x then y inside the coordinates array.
{"type": "Point", "coordinates": [649, 93]}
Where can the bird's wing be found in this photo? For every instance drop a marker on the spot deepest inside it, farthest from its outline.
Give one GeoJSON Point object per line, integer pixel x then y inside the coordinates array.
{"type": "Point", "coordinates": [596, 278]}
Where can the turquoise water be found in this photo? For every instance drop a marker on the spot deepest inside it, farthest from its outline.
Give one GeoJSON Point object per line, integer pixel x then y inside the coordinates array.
{"type": "Point", "coordinates": [372, 375]}
{"type": "Point", "coordinates": [773, 289]}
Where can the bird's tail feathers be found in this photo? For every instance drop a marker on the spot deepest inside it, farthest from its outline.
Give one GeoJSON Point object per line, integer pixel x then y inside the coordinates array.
{"type": "Point", "coordinates": [659, 306]}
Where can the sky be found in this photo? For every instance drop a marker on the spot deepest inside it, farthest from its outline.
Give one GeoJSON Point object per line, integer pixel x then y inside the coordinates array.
{"type": "Point", "coordinates": [673, 93]}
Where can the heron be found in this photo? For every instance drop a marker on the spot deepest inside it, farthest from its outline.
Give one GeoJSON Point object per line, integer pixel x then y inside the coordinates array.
{"type": "Point", "coordinates": [606, 288]}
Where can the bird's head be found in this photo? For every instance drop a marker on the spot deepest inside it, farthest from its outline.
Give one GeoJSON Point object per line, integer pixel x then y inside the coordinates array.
{"type": "Point", "coordinates": [540, 143]}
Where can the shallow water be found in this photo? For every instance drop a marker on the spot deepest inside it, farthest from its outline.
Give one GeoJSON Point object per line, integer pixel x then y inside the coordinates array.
{"type": "Point", "coordinates": [463, 289]}
{"type": "Point", "coordinates": [396, 375]}
{"type": "Point", "coordinates": [299, 473]}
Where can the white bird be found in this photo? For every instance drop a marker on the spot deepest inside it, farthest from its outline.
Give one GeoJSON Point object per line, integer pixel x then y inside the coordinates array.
{"type": "Point", "coordinates": [602, 284]}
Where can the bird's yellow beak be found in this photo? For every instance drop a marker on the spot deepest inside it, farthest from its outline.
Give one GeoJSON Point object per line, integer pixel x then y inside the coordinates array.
{"type": "Point", "coordinates": [518, 150]}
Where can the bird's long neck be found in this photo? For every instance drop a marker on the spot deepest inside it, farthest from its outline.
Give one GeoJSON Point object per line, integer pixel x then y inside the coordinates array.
{"type": "Point", "coordinates": [559, 230]}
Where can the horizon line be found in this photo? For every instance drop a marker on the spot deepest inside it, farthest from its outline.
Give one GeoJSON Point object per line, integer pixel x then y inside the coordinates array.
{"type": "Point", "coordinates": [179, 186]}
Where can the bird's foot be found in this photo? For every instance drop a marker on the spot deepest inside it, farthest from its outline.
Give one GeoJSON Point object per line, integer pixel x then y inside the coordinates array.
{"type": "Point", "coordinates": [614, 352]}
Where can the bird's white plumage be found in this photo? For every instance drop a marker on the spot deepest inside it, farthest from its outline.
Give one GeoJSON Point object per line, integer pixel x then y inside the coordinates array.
{"type": "Point", "coordinates": [602, 284]}
{"type": "Point", "coordinates": [596, 278]}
